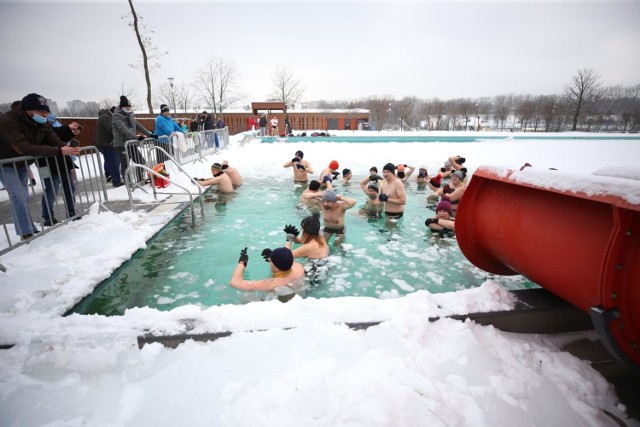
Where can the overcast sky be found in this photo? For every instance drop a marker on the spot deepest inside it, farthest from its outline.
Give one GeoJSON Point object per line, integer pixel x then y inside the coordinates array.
{"type": "Point", "coordinates": [338, 50]}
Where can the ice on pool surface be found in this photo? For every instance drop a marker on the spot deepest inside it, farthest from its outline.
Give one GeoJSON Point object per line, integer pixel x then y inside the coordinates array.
{"type": "Point", "coordinates": [377, 258]}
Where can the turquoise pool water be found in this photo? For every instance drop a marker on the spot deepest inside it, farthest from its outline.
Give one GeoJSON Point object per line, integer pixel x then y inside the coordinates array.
{"type": "Point", "coordinates": [185, 265]}
{"type": "Point", "coordinates": [376, 137]}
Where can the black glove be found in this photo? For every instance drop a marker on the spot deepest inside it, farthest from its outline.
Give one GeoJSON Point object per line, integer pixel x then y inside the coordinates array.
{"type": "Point", "coordinates": [326, 178]}
{"type": "Point", "coordinates": [295, 160]}
{"type": "Point", "coordinates": [266, 254]}
{"type": "Point", "coordinates": [383, 197]}
{"type": "Point", "coordinates": [465, 170]}
{"type": "Point", "coordinates": [443, 170]}
{"type": "Point", "coordinates": [421, 175]}
{"type": "Point", "coordinates": [291, 229]}
{"type": "Point", "coordinates": [141, 137]}
{"type": "Point", "coordinates": [374, 177]}
{"type": "Point", "coordinates": [431, 221]}
{"type": "Point", "coordinates": [301, 166]}
{"type": "Point", "coordinates": [244, 258]}
{"type": "Point", "coordinates": [461, 160]}
{"type": "Point", "coordinates": [335, 174]}
{"type": "Point", "coordinates": [154, 136]}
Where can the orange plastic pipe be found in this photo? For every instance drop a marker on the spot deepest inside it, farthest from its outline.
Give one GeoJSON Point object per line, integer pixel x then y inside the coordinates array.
{"type": "Point", "coordinates": [584, 248]}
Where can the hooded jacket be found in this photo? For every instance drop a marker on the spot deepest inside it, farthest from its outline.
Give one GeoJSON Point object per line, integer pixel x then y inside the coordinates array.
{"type": "Point", "coordinates": [104, 129]}
{"type": "Point", "coordinates": [21, 136]}
{"type": "Point", "coordinates": [166, 126]}
{"type": "Point", "coordinates": [124, 127]}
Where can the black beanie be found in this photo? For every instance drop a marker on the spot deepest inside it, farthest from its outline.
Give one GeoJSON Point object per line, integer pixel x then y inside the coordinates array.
{"type": "Point", "coordinates": [389, 167]}
{"type": "Point", "coordinates": [33, 101]}
{"type": "Point", "coordinates": [314, 185]}
{"type": "Point", "coordinates": [124, 102]}
{"type": "Point", "coordinates": [164, 108]}
{"type": "Point", "coordinates": [311, 224]}
{"type": "Point", "coordinates": [299, 154]}
{"type": "Point", "coordinates": [282, 258]}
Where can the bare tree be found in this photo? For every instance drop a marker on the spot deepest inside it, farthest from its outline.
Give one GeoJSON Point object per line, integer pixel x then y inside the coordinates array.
{"type": "Point", "coordinates": [184, 98]}
{"type": "Point", "coordinates": [150, 54]}
{"type": "Point", "coordinates": [581, 92]}
{"type": "Point", "coordinates": [378, 110]}
{"type": "Point", "coordinates": [287, 88]}
{"type": "Point", "coordinates": [217, 83]}
{"type": "Point", "coordinates": [404, 111]}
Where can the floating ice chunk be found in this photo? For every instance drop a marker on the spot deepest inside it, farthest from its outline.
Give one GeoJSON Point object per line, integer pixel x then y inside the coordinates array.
{"type": "Point", "coordinates": [436, 278]}
{"type": "Point", "coordinates": [393, 293]}
{"type": "Point", "coordinates": [209, 282]}
{"type": "Point", "coordinates": [403, 285]}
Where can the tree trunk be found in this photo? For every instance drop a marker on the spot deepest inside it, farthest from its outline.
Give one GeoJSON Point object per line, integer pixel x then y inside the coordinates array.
{"type": "Point", "coordinates": [145, 60]}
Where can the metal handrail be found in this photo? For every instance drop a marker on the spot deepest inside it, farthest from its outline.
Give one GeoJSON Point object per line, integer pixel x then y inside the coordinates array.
{"type": "Point", "coordinates": [130, 184]}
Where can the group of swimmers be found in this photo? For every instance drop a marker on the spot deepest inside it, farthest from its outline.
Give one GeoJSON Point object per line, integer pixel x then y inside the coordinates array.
{"type": "Point", "coordinates": [386, 196]}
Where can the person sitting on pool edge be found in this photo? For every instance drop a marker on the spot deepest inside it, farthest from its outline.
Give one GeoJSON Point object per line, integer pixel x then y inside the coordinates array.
{"type": "Point", "coordinates": [314, 246]}
{"type": "Point", "coordinates": [301, 168]}
{"type": "Point", "coordinates": [333, 212]}
{"type": "Point", "coordinates": [285, 271]}
{"type": "Point", "coordinates": [443, 223]}
{"type": "Point", "coordinates": [220, 179]}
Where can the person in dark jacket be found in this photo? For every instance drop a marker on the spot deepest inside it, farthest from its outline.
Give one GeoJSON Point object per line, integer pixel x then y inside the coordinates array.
{"type": "Point", "coordinates": [124, 126]}
{"type": "Point", "coordinates": [24, 132]}
{"type": "Point", "coordinates": [263, 125]}
{"type": "Point", "coordinates": [57, 170]}
{"type": "Point", "coordinates": [104, 143]}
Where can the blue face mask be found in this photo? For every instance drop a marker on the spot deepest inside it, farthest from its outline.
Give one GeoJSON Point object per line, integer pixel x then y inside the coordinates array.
{"type": "Point", "coordinates": [39, 119]}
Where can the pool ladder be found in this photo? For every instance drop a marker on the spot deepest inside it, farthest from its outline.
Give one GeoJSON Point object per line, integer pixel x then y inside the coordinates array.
{"type": "Point", "coordinates": [132, 185]}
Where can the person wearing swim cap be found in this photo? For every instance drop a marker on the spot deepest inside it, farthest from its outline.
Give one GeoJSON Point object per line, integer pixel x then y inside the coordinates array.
{"type": "Point", "coordinates": [220, 179]}
{"type": "Point", "coordinates": [373, 207]}
{"type": "Point", "coordinates": [301, 168]}
{"type": "Point", "coordinates": [333, 212]}
{"type": "Point", "coordinates": [393, 193]}
{"type": "Point", "coordinates": [285, 271]}
{"type": "Point", "coordinates": [313, 245]}
{"type": "Point", "coordinates": [329, 173]}
{"type": "Point", "coordinates": [312, 196]}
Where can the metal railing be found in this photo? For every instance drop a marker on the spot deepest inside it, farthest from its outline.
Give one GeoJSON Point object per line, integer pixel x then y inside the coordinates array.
{"type": "Point", "coordinates": [158, 152]}
{"type": "Point", "coordinates": [63, 189]}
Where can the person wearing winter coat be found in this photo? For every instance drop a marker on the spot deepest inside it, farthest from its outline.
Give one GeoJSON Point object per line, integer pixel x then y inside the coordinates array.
{"type": "Point", "coordinates": [24, 132]}
{"type": "Point", "coordinates": [125, 126]}
{"type": "Point", "coordinates": [104, 143]}
{"type": "Point", "coordinates": [165, 126]}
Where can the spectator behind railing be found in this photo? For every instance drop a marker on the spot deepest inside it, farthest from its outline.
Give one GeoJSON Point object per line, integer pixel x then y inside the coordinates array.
{"type": "Point", "coordinates": [24, 132]}
{"type": "Point", "coordinates": [104, 143]}
{"type": "Point", "coordinates": [124, 126]}
{"type": "Point", "coordinates": [165, 126]}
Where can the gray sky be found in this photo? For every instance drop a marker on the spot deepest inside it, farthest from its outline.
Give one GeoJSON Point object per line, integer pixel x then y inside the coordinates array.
{"type": "Point", "coordinates": [338, 50]}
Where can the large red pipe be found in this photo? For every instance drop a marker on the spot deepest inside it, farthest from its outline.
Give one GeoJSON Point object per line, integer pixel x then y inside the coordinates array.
{"type": "Point", "coordinates": [584, 248]}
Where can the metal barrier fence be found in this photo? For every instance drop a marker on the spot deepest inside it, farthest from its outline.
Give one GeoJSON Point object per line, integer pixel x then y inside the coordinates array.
{"type": "Point", "coordinates": [182, 148]}
{"type": "Point", "coordinates": [62, 190]}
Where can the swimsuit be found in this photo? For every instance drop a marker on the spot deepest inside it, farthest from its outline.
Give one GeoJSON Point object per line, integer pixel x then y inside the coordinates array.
{"type": "Point", "coordinates": [338, 230]}
{"type": "Point", "coordinates": [394, 215]}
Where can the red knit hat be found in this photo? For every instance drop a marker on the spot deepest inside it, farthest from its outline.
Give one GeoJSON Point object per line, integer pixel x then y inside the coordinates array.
{"type": "Point", "coordinates": [436, 180]}
{"type": "Point", "coordinates": [334, 165]}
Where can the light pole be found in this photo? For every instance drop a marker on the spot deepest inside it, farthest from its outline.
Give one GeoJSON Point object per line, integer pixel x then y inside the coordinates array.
{"type": "Point", "coordinates": [173, 98]}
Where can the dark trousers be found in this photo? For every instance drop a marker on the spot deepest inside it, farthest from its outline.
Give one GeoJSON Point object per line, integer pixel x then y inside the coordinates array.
{"type": "Point", "coordinates": [111, 163]}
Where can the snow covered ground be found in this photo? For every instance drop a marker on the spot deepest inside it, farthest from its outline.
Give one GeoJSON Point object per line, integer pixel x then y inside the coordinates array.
{"type": "Point", "coordinates": [297, 363]}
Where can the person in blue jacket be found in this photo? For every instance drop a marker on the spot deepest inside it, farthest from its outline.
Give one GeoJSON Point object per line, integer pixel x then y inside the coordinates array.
{"type": "Point", "coordinates": [165, 126]}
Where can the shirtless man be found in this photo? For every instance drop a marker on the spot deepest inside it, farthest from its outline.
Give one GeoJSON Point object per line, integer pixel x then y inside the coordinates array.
{"type": "Point", "coordinates": [393, 193]}
{"type": "Point", "coordinates": [220, 179]}
{"type": "Point", "coordinates": [333, 211]}
{"type": "Point", "coordinates": [346, 176]}
{"type": "Point", "coordinates": [373, 207]}
{"type": "Point", "coordinates": [329, 173]}
{"type": "Point", "coordinates": [312, 196]}
{"type": "Point", "coordinates": [236, 178]}
{"type": "Point", "coordinates": [301, 167]}
{"type": "Point", "coordinates": [284, 272]}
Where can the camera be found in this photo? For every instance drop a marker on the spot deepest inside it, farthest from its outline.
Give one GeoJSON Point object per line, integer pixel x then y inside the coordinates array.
{"type": "Point", "coordinates": [80, 127]}
{"type": "Point", "coordinates": [74, 143]}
